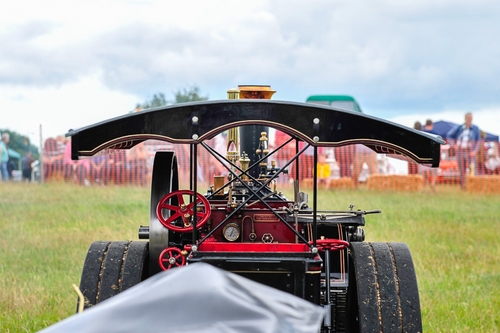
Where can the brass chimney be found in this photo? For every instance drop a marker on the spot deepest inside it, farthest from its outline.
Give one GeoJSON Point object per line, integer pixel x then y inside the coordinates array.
{"type": "Point", "coordinates": [255, 92]}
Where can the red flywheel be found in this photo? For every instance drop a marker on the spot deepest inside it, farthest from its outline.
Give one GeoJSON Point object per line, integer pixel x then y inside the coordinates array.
{"type": "Point", "coordinates": [171, 257]}
{"type": "Point", "coordinates": [183, 210]}
{"type": "Point", "coordinates": [331, 244]}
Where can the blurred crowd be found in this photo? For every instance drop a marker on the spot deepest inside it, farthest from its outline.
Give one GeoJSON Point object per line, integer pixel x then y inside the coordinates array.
{"type": "Point", "coordinates": [466, 153]}
{"type": "Point", "coordinates": [8, 165]}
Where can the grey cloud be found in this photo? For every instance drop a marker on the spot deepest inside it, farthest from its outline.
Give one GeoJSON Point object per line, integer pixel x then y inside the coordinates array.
{"type": "Point", "coordinates": [30, 30]}
{"type": "Point", "coordinates": [396, 58]}
{"type": "Point", "coordinates": [25, 62]}
{"type": "Point", "coordinates": [390, 56]}
{"type": "Point", "coordinates": [142, 57]}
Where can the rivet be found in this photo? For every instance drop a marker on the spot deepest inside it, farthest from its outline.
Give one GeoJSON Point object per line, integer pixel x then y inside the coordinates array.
{"type": "Point", "coordinates": [195, 136]}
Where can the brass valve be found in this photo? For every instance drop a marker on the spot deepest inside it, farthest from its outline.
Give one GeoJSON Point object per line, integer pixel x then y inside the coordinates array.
{"type": "Point", "coordinates": [244, 162]}
{"type": "Point", "coordinates": [263, 149]}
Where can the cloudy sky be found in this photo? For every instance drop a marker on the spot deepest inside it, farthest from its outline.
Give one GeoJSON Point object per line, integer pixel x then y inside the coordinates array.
{"type": "Point", "coordinates": [68, 64]}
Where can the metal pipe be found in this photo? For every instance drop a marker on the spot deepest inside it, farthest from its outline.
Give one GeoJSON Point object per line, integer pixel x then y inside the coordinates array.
{"type": "Point", "coordinates": [315, 196]}
{"type": "Point", "coordinates": [81, 298]}
{"type": "Point", "coordinates": [297, 161]}
{"type": "Point", "coordinates": [328, 316]}
{"type": "Point", "coordinates": [195, 191]}
{"type": "Point", "coordinates": [191, 167]}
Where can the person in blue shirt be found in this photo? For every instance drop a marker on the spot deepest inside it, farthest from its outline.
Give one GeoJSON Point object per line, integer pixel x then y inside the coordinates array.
{"type": "Point", "coordinates": [466, 139]}
{"type": "Point", "coordinates": [429, 127]}
{"type": "Point", "coordinates": [5, 153]}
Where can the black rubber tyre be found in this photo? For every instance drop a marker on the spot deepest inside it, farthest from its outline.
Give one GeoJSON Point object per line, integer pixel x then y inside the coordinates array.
{"type": "Point", "coordinates": [408, 290]}
{"type": "Point", "coordinates": [135, 267]}
{"type": "Point", "coordinates": [112, 267]}
{"type": "Point", "coordinates": [111, 272]}
{"type": "Point", "coordinates": [89, 282]}
{"type": "Point", "coordinates": [385, 291]}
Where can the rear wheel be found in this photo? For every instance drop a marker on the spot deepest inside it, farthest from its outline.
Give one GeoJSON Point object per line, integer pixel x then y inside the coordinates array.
{"type": "Point", "coordinates": [112, 267]}
{"type": "Point", "coordinates": [383, 291]}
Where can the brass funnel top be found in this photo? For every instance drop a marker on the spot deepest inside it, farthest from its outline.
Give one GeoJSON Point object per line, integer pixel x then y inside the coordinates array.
{"type": "Point", "coordinates": [255, 92]}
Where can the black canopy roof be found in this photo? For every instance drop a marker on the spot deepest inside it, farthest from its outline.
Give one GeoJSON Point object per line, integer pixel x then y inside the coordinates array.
{"type": "Point", "coordinates": [194, 122]}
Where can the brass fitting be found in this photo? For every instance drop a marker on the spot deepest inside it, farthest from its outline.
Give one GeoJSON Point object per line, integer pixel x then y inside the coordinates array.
{"type": "Point", "coordinates": [244, 162]}
{"type": "Point", "coordinates": [255, 92]}
{"type": "Point", "coordinates": [233, 94]}
{"type": "Point", "coordinates": [218, 182]}
{"type": "Point", "coordinates": [233, 136]}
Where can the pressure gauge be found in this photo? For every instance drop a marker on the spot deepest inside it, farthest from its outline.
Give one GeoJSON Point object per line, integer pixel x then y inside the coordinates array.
{"type": "Point", "coordinates": [231, 231]}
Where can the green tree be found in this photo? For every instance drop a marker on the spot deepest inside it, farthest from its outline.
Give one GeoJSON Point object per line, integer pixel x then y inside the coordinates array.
{"type": "Point", "coordinates": [185, 95]}
{"type": "Point", "coordinates": [189, 95]}
{"type": "Point", "coordinates": [156, 101]}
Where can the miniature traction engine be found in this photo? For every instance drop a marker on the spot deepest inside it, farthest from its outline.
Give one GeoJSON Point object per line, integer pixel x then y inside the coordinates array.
{"type": "Point", "coordinates": [245, 224]}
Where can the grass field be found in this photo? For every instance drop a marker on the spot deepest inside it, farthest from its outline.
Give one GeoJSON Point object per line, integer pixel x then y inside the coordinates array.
{"type": "Point", "coordinates": [46, 230]}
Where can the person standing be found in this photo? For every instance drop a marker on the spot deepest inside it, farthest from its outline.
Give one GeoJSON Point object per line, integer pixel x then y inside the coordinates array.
{"type": "Point", "coordinates": [26, 166]}
{"type": "Point", "coordinates": [345, 156]}
{"type": "Point", "coordinates": [413, 167]}
{"type": "Point", "coordinates": [429, 127]}
{"type": "Point", "coordinates": [137, 162]}
{"type": "Point", "coordinates": [466, 139]}
{"type": "Point", "coordinates": [364, 155]}
{"type": "Point", "coordinates": [430, 174]}
{"type": "Point", "coordinates": [5, 152]}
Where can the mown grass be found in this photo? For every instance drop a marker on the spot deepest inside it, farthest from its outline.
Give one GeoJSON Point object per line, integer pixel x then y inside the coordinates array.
{"type": "Point", "coordinates": [46, 230]}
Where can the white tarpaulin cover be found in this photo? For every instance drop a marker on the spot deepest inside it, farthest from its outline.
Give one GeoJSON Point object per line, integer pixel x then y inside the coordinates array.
{"type": "Point", "coordinates": [197, 298]}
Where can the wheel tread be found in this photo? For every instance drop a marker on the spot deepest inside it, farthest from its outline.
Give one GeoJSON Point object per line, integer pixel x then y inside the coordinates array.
{"type": "Point", "coordinates": [92, 271]}
{"type": "Point", "coordinates": [110, 281]}
{"type": "Point", "coordinates": [386, 288]}
{"type": "Point", "coordinates": [410, 301]}
{"type": "Point", "coordinates": [367, 287]}
{"type": "Point", "coordinates": [388, 294]}
{"type": "Point", "coordinates": [135, 265]}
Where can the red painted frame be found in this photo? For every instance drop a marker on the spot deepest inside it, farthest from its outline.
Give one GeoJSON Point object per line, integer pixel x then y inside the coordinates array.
{"type": "Point", "coordinates": [252, 247]}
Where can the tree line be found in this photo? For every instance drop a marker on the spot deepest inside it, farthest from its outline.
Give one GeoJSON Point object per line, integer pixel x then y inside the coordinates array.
{"type": "Point", "coordinates": [185, 95]}
{"type": "Point", "coordinates": [21, 143]}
